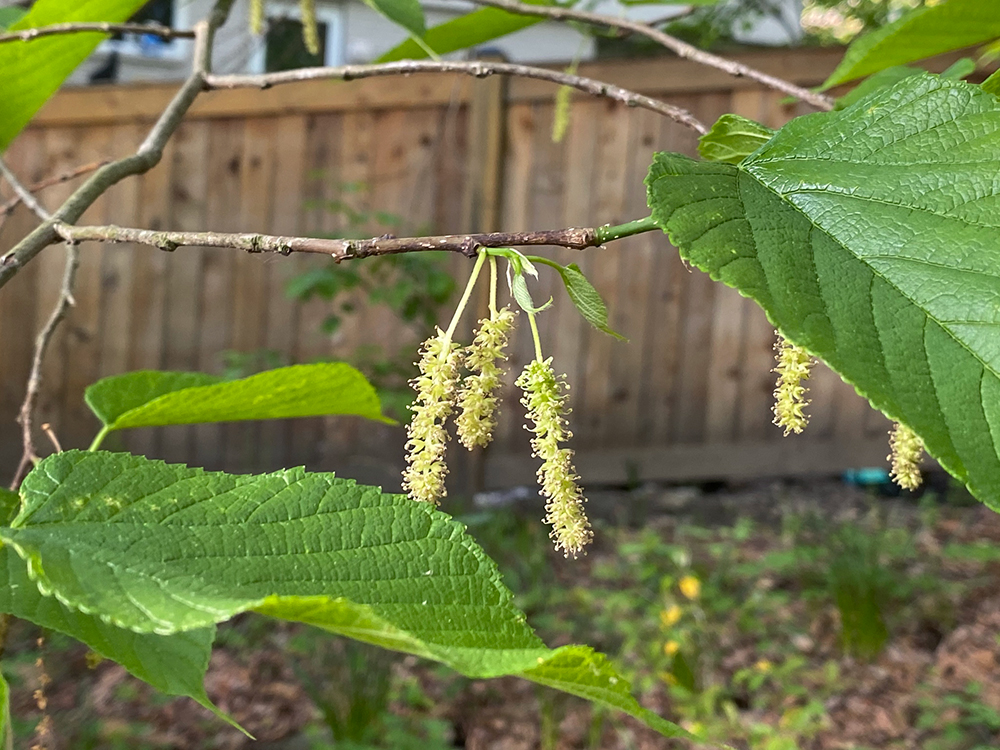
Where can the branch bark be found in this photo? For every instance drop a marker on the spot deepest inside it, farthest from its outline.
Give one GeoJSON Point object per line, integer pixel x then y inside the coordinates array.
{"type": "Point", "coordinates": [27, 412]}
{"type": "Point", "coordinates": [672, 43]}
{"type": "Point", "coordinates": [66, 176]}
{"type": "Point", "coordinates": [164, 32]}
{"type": "Point", "coordinates": [478, 69]}
{"type": "Point", "coordinates": [23, 193]}
{"type": "Point", "coordinates": [466, 244]}
{"type": "Point", "coordinates": [147, 157]}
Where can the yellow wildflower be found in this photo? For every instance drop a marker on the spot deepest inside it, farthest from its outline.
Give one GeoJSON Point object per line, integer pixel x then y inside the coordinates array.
{"type": "Point", "coordinates": [671, 616]}
{"type": "Point", "coordinates": [671, 647]}
{"type": "Point", "coordinates": [763, 666]}
{"type": "Point", "coordinates": [690, 587]}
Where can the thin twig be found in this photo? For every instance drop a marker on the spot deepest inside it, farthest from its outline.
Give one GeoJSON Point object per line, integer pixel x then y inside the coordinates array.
{"type": "Point", "coordinates": [147, 157]}
{"type": "Point", "coordinates": [477, 68]}
{"type": "Point", "coordinates": [672, 43]}
{"type": "Point", "coordinates": [6, 208]}
{"type": "Point", "coordinates": [164, 32]}
{"type": "Point", "coordinates": [23, 193]}
{"type": "Point", "coordinates": [26, 416]}
{"type": "Point", "coordinates": [339, 249]}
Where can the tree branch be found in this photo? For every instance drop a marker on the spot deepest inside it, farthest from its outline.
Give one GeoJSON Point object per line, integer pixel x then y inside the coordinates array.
{"type": "Point", "coordinates": [164, 32]}
{"type": "Point", "coordinates": [478, 69]}
{"type": "Point", "coordinates": [672, 43]}
{"type": "Point", "coordinates": [23, 193]}
{"type": "Point", "coordinates": [339, 249]}
{"type": "Point", "coordinates": [148, 155]}
{"type": "Point", "coordinates": [6, 208]}
{"type": "Point", "coordinates": [27, 413]}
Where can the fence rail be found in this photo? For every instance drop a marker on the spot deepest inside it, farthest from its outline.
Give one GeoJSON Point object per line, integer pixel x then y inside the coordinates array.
{"type": "Point", "coordinates": [688, 398]}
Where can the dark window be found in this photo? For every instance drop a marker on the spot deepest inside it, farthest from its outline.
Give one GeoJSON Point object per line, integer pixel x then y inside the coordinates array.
{"type": "Point", "coordinates": [285, 49]}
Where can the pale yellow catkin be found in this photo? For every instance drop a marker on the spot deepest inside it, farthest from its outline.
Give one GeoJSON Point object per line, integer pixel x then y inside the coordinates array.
{"type": "Point", "coordinates": [545, 399]}
{"type": "Point", "coordinates": [256, 17]}
{"type": "Point", "coordinates": [792, 367]}
{"type": "Point", "coordinates": [478, 398]}
{"type": "Point", "coordinates": [424, 476]}
{"type": "Point", "coordinates": [310, 30]}
{"type": "Point", "coordinates": [907, 450]}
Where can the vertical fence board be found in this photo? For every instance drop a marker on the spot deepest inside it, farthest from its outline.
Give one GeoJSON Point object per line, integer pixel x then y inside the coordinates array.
{"type": "Point", "coordinates": [182, 319]}
{"type": "Point", "coordinates": [84, 330]}
{"type": "Point", "coordinates": [286, 219]}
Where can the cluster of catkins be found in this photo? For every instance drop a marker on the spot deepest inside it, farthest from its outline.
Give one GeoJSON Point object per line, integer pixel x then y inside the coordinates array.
{"type": "Point", "coordinates": [440, 391]}
{"type": "Point", "coordinates": [792, 367]}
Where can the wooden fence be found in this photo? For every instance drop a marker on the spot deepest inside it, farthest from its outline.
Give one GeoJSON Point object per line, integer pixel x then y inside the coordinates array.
{"type": "Point", "coordinates": [688, 398]}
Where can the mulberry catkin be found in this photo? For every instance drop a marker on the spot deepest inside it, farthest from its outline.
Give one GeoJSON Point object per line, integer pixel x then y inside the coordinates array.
{"type": "Point", "coordinates": [545, 399]}
{"type": "Point", "coordinates": [423, 478]}
{"type": "Point", "coordinates": [793, 365]}
{"type": "Point", "coordinates": [478, 399]}
{"type": "Point", "coordinates": [907, 449]}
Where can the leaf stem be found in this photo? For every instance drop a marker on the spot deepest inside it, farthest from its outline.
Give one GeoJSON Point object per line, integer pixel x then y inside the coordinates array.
{"type": "Point", "coordinates": [99, 438]}
{"type": "Point", "coordinates": [608, 233]}
{"type": "Point", "coordinates": [534, 335]}
{"type": "Point", "coordinates": [463, 302]}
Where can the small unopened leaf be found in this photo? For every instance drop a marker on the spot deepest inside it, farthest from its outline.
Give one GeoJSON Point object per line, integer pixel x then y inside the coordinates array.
{"type": "Point", "coordinates": [407, 13]}
{"type": "Point", "coordinates": [162, 548]}
{"type": "Point", "coordinates": [519, 290]}
{"type": "Point", "coordinates": [150, 398]}
{"type": "Point", "coordinates": [733, 138]}
{"type": "Point", "coordinates": [586, 298]}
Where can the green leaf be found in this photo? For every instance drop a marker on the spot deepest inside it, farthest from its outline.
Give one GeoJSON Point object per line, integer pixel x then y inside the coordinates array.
{"type": "Point", "coordinates": [992, 84]}
{"type": "Point", "coordinates": [732, 138]}
{"type": "Point", "coordinates": [174, 664]}
{"type": "Point", "coordinates": [10, 15]}
{"type": "Point", "coordinates": [870, 238]}
{"type": "Point", "coordinates": [460, 33]}
{"type": "Point", "coordinates": [583, 295]}
{"type": "Point", "coordinates": [882, 79]}
{"type": "Point", "coordinates": [407, 13]}
{"type": "Point", "coordinates": [10, 504]}
{"type": "Point", "coordinates": [919, 34]}
{"type": "Point", "coordinates": [161, 548]}
{"type": "Point", "coordinates": [32, 71]}
{"type": "Point", "coordinates": [6, 729]}
{"type": "Point", "coordinates": [150, 398]}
